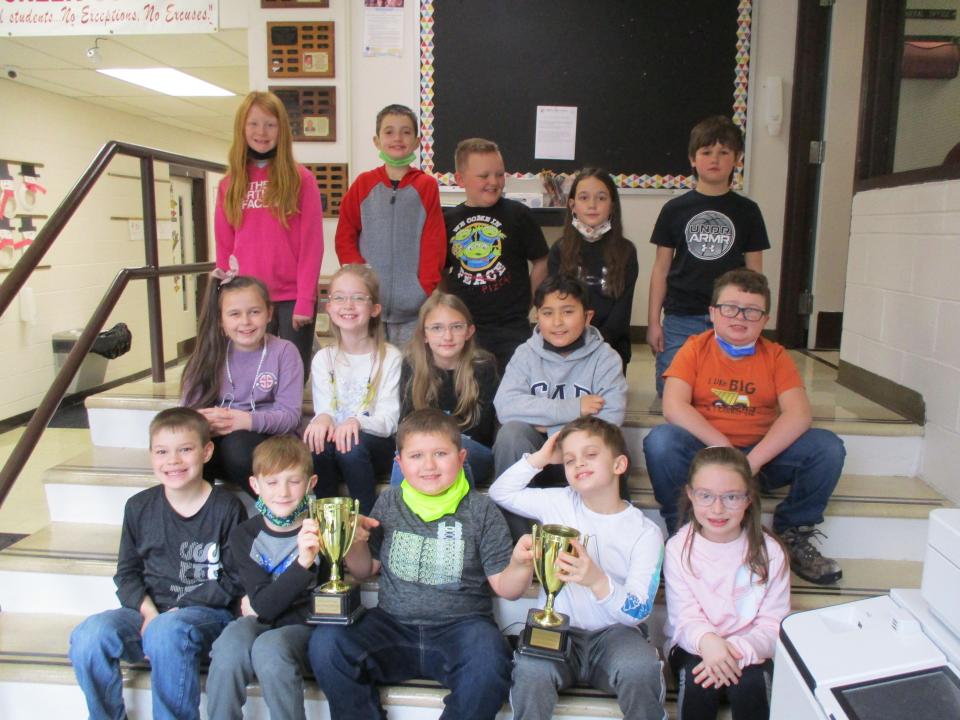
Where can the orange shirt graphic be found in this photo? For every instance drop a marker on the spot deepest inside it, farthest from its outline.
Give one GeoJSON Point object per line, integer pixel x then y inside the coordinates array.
{"type": "Point", "coordinates": [737, 397]}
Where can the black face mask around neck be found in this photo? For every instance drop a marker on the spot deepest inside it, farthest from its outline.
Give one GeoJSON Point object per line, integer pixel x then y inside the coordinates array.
{"type": "Point", "coordinates": [268, 155]}
{"type": "Point", "coordinates": [576, 344]}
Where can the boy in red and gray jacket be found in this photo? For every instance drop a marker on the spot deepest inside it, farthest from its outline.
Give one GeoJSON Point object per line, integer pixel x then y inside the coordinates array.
{"type": "Point", "coordinates": [390, 218]}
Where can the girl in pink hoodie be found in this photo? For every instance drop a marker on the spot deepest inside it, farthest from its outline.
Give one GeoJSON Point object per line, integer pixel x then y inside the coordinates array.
{"type": "Point", "coordinates": [728, 588]}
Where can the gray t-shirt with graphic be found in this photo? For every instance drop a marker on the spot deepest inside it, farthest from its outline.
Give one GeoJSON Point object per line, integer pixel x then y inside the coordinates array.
{"type": "Point", "coordinates": [436, 572]}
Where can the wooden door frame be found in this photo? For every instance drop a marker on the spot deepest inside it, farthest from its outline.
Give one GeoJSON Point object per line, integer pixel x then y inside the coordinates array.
{"type": "Point", "coordinates": [806, 122]}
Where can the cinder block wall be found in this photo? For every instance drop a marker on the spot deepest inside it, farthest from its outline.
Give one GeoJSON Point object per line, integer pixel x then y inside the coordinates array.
{"type": "Point", "coordinates": [902, 307]}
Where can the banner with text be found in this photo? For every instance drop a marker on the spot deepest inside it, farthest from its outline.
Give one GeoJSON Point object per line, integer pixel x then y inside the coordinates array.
{"type": "Point", "coordinates": [25, 18]}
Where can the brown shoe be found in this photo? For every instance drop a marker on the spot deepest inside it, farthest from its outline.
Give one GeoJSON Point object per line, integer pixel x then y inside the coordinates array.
{"type": "Point", "coordinates": [805, 560]}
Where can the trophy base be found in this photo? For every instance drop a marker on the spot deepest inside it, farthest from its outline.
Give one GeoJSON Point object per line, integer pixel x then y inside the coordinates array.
{"type": "Point", "coordinates": [336, 608]}
{"type": "Point", "coordinates": [549, 643]}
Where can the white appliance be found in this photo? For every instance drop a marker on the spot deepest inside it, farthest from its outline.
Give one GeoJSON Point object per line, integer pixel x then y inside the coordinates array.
{"type": "Point", "coordinates": [894, 657]}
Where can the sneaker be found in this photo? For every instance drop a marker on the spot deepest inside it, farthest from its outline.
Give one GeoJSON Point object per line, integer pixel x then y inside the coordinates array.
{"type": "Point", "coordinates": [805, 560]}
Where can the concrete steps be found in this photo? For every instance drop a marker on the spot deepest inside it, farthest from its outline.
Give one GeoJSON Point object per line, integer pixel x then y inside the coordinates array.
{"type": "Point", "coordinates": [876, 526]}
{"type": "Point", "coordinates": [869, 516]}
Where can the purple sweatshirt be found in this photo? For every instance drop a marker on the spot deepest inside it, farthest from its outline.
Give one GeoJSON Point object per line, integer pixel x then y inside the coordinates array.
{"type": "Point", "coordinates": [267, 385]}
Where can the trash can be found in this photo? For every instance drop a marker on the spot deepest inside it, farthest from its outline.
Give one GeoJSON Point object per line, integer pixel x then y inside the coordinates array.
{"type": "Point", "coordinates": [93, 369]}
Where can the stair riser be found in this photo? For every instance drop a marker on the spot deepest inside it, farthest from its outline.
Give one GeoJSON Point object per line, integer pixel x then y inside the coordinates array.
{"type": "Point", "coordinates": [874, 538]}
{"type": "Point", "coordinates": [112, 427]}
{"type": "Point", "coordinates": [29, 701]}
{"type": "Point", "coordinates": [98, 504]}
{"type": "Point", "coordinates": [54, 593]}
{"type": "Point", "coordinates": [866, 454]}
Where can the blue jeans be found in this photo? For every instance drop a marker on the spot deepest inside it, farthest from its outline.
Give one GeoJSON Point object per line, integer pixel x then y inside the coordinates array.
{"type": "Point", "coordinates": [175, 641]}
{"type": "Point", "coordinates": [676, 330]}
{"type": "Point", "coordinates": [478, 466]}
{"type": "Point", "coordinates": [811, 467]}
{"type": "Point", "coordinates": [358, 468]}
{"type": "Point", "coordinates": [469, 656]}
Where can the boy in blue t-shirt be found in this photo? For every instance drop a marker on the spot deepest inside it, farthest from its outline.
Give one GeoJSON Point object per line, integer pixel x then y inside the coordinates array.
{"type": "Point", "coordinates": [699, 236]}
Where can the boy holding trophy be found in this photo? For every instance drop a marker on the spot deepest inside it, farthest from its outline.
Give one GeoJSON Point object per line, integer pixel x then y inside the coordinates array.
{"type": "Point", "coordinates": [610, 585]}
{"type": "Point", "coordinates": [440, 549]}
{"type": "Point", "coordinates": [277, 556]}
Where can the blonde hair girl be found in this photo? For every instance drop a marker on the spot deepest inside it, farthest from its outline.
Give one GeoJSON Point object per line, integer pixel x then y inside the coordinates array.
{"type": "Point", "coordinates": [269, 218]}
{"type": "Point", "coordinates": [356, 401]}
{"type": "Point", "coordinates": [443, 368]}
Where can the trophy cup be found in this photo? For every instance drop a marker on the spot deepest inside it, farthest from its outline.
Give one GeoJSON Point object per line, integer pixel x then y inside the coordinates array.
{"type": "Point", "coordinates": [335, 602]}
{"type": "Point", "coordinates": [546, 634]}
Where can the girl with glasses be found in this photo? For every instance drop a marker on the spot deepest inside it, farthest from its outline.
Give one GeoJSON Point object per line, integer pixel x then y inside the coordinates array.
{"type": "Point", "coordinates": [728, 588]}
{"type": "Point", "coordinates": [356, 403]}
{"type": "Point", "coordinates": [443, 368]}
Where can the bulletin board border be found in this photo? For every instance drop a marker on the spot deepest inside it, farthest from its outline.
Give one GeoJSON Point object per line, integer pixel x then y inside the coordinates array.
{"type": "Point", "coordinates": [633, 181]}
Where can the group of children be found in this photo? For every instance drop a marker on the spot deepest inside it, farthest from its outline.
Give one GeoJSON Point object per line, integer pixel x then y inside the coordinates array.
{"type": "Point", "coordinates": [442, 551]}
{"type": "Point", "coordinates": [454, 290]}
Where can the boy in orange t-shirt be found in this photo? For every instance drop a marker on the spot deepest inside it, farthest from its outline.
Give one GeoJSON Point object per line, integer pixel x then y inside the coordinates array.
{"type": "Point", "coordinates": [729, 386]}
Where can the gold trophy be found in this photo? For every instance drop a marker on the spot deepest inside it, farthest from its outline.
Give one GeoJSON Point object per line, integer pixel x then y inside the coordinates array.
{"type": "Point", "coordinates": [546, 634]}
{"type": "Point", "coordinates": [335, 602]}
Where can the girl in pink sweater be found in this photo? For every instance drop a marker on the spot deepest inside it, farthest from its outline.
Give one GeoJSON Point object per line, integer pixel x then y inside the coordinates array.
{"type": "Point", "coordinates": [269, 221]}
{"type": "Point", "coordinates": [728, 588]}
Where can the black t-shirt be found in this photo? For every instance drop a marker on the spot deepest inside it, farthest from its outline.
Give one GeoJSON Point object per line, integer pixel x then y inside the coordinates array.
{"type": "Point", "coordinates": [487, 253]}
{"type": "Point", "coordinates": [709, 236]}
{"type": "Point", "coordinates": [611, 315]}
{"type": "Point", "coordinates": [176, 560]}
{"type": "Point", "coordinates": [278, 586]}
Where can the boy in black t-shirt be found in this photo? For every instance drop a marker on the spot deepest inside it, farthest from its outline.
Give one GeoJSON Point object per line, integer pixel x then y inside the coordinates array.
{"type": "Point", "coordinates": [175, 593]}
{"type": "Point", "coordinates": [699, 236]}
{"type": "Point", "coordinates": [490, 239]}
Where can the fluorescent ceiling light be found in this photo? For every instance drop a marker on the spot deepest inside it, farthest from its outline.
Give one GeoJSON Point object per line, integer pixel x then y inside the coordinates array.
{"type": "Point", "coordinates": [167, 81]}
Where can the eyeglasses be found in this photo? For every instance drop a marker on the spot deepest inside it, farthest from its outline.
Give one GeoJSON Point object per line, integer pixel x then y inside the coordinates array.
{"type": "Point", "coordinates": [457, 328]}
{"type": "Point", "coordinates": [357, 299]}
{"type": "Point", "coordinates": [731, 501]}
{"type": "Point", "coordinates": [751, 314]}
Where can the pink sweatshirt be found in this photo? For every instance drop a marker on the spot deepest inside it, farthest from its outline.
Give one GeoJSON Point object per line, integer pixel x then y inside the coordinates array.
{"type": "Point", "coordinates": [287, 259]}
{"type": "Point", "coordinates": [723, 596]}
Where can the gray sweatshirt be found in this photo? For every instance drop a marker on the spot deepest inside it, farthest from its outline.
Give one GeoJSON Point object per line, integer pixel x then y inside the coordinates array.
{"type": "Point", "coordinates": [542, 387]}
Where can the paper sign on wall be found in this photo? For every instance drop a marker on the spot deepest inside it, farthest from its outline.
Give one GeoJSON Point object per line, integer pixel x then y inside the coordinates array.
{"type": "Point", "coordinates": [107, 17]}
{"type": "Point", "coordinates": [556, 132]}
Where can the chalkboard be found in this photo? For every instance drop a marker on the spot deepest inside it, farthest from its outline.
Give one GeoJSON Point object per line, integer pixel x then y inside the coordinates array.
{"type": "Point", "coordinates": [642, 73]}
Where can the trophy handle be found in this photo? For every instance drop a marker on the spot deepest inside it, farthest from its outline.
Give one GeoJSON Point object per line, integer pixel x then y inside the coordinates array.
{"type": "Point", "coordinates": [535, 533]}
{"type": "Point", "coordinates": [356, 521]}
{"type": "Point", "coordinates": [584, 541]}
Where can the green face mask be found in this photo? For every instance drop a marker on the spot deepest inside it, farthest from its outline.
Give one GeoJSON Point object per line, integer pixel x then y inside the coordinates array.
{"type": "Point", "coordinates": [433, 507]}
{"type": "Point", "coordinates": [398, 162]}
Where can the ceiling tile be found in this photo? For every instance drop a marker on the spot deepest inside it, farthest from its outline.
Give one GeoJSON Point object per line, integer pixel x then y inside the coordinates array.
{"type": "Point", "coordinates": [197, 50]}
{"type": "Point", "coordinates": [27, 78]}
{"type": "Point", "coordinates": [113, 52]}
{"type": "Point", "coordinates": [14, 52]}
{"type": "Point", "coordinates": [234, 78]}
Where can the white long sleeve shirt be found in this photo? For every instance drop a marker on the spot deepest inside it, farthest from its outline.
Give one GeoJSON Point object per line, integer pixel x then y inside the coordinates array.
{"type": "Point", "coordinates": [720, 594]}
{"type": "Point", "coordinates": [625, 545]}
{"type": "Point", "coordinates": [341, 389]}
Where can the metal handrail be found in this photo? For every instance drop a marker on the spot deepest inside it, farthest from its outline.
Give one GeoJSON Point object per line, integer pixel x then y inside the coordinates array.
{"type": "Point", "coordinates": [58, 388]}
{"type": "Point", "coordinates": [51, 229]}
{"type": "Point", "coordinates": [152, 273]}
